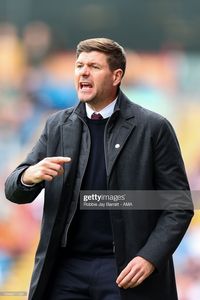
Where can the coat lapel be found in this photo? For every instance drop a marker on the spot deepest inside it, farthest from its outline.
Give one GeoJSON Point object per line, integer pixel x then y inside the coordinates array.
{"type": "Point", "coordinates": [71, 137]}
{"type": "Point", "coordinates": [117, 141]}
{"type": "Point", "coordinates": [120, 126]}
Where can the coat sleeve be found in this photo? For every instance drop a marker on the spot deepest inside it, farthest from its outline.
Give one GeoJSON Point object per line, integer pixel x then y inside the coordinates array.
{"type": "Point", "coordinates": [170, 175]}
{"type": "Point", "coordinates": [14, 190]}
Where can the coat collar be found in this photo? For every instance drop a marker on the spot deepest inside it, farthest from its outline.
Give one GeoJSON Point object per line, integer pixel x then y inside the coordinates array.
{"type": "Point", "coordinates": [123, 106]}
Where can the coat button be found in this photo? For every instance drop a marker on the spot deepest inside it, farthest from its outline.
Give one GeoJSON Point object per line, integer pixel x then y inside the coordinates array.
{"type": "Point", "coordinates": [117, 146]}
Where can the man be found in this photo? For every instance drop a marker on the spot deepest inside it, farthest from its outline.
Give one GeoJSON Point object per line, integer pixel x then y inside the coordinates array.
{"type": "Point", "coordinates": [105, 143]}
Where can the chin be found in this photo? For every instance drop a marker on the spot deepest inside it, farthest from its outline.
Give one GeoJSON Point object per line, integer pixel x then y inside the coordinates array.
{"type": "Point", "coordinates": [86, 99]}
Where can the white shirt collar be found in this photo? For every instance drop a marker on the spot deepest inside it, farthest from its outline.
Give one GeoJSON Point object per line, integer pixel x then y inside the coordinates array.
{"type": "Point", "coordinates": [106, 112]}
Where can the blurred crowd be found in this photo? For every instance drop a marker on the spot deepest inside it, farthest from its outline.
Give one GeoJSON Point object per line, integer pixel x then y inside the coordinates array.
{"type": "Point", "coordinates": [36, 79]}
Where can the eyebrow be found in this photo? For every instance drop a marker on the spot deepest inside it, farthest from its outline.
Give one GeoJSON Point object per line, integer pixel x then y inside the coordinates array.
{"type": "Point", "coordinates": [89, 63]}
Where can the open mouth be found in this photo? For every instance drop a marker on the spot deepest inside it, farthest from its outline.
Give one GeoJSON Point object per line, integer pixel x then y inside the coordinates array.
{"type": "Point", "coordinates": [85, 86]}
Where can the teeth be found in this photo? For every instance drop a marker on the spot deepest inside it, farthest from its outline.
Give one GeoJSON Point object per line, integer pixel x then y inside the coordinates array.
{"type": "Point", "coordinates": [85, 84]}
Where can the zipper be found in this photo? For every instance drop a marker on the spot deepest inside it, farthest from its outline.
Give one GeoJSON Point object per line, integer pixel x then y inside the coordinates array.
{"type": "Point", "coordinates": [64, 238]}
{"type": "Point", "coordinates": [105, 134]}
{"type": "Point", "coordinates": [107, 180]}
{"type": "Point", "coordinates": [105, 152]}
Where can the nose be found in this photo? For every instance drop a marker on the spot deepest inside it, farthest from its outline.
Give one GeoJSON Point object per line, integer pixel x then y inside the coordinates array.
{"type": "Point", "coordinates": [85, 71]}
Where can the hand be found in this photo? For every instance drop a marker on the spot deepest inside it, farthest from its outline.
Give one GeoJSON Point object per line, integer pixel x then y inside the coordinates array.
{"type": "Point", "coordinates": [135, 273]}
{"type": "Point", "coordinates": [46, 169]}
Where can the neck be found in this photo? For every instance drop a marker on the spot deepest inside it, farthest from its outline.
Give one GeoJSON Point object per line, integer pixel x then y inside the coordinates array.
{"type": "Point", "coordinates": [99, 106]}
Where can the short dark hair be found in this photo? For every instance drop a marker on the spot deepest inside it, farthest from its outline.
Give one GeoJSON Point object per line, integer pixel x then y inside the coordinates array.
{"type": "Point", "coordinates": [115, 53]}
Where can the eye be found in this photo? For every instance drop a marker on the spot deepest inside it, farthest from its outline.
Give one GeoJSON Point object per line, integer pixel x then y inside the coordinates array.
{"type": "Point", "coordinates": [96, 67]}
{"type": "Point", "coordinates": [78, 66]}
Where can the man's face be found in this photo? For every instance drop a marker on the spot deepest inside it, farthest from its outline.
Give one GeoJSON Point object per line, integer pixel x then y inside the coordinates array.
{"type": "Point", "coordinates": [95, 82]}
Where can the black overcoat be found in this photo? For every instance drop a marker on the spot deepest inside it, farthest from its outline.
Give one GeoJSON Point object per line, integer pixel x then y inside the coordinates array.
{"type": "Point", "coordinates": [147, 158]}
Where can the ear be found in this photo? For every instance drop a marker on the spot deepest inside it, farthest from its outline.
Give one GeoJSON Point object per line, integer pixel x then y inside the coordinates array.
{"type": "Point", "coordinates": [117, 76]}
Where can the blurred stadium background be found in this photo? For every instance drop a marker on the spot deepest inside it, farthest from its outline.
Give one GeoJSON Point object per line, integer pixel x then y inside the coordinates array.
{"type": "Point", "coordinates": [37, 44]}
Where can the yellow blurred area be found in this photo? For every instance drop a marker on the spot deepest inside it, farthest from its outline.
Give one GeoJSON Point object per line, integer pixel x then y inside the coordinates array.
{"type": "Point", "coordinates": [189, 135]}
{"type": "Point", "coordinates": [12, 57]}
{"type": "Point", "coordinates": [196, 218]}
{"type": "Point", "coordinates": [19, 280]}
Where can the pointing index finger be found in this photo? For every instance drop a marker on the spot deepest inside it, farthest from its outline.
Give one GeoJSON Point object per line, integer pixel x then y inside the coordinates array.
{"type": "Point", "coordinates": [60, 159]}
